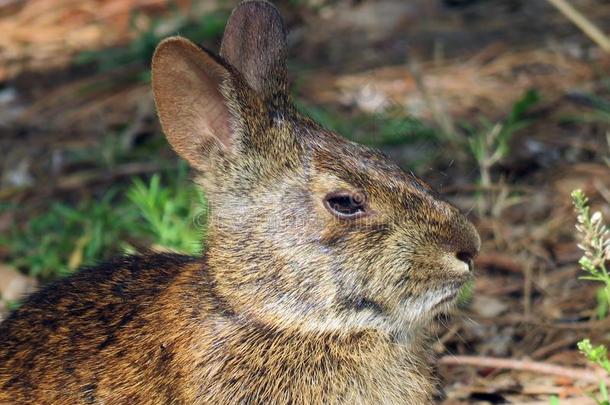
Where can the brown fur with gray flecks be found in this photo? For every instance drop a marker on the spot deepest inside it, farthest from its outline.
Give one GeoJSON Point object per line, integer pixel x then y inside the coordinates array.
{"type": "Point", "coordinates": [291, 303]}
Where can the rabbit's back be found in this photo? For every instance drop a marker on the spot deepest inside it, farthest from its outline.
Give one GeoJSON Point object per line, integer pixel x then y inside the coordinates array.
{"type": "Point", "coordinates": [99, 329]}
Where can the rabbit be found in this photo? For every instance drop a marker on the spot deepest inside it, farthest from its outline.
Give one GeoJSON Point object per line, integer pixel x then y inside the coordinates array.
{"type": "Point", "coordinates": [324, 263]}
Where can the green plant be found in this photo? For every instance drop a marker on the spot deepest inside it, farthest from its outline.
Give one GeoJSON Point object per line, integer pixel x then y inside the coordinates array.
{"type": "Point", "coordinates": [595, 354]}
{"type": "Point", "coordinates": [595, 244]}
{"type": "Point", "coordinates": [602, 303]}
{"type": "Point", "coordinates": [491, 144]}
{"type": "Point", "coordinates": [170, 213]}
{"type": "Point", "coordinates": [161, 214]}
{"type": "Point", "coordinates": [64, 238]}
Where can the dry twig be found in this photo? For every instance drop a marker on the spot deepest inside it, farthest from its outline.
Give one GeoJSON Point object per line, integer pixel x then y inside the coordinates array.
{"type": "Point", "coordinates": [590, 376]}
{"type": "Point", "coordinates": [582, 22]}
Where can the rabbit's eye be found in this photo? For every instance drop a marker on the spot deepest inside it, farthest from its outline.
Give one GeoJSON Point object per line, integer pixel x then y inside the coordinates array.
{"type": "Point", "coordinates": [345, 204]}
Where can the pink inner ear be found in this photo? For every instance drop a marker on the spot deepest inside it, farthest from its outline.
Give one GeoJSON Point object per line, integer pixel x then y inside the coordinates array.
{"type": "Point", "coordinates": [186, 84]}
{"type": "Point", "coordinates": [220, 125]}
{"type": "Point", "coordinates": [210, 104]}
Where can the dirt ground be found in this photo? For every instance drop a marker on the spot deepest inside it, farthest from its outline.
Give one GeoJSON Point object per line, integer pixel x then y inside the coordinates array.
{"type": "Point", "coordinates": [459, 67]}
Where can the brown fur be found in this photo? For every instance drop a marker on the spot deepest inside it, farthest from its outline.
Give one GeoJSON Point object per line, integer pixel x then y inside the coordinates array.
{"type": "Point", "coordinates": [289, 304]}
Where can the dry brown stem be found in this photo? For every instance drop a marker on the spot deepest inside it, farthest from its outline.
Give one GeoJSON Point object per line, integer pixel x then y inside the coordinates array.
{"type": "Point", "coordinates": [582, 22]}
{"type": "Point", "coordinates": [590, 376]}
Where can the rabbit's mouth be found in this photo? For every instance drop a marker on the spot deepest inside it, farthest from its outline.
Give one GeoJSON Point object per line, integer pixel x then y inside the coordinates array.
{"type": "Point", "coordinates": [420, 311]}
{"type": "Point", "coordinates": [448, 299]}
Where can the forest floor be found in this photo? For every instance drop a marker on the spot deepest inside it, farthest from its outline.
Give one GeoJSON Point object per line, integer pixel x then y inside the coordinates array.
{"type": "Point", "coordinates": [503, 106]}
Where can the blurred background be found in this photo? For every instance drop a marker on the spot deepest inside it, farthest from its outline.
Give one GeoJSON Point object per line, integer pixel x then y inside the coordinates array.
{"type": "Point", "coordinates": [502, 105]}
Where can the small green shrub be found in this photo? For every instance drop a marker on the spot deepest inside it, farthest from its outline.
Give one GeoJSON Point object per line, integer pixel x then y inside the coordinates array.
{"type": "Point", "coordinates": [57, 242]}
{"type": "Point", "coordinates": [163, 213]}
{"type": "Point", "coordinates": [595, 243]}
{"type": "Point", "coordinates": [170, 214]}
{"type": "Point", "coordinates": [490, 144]}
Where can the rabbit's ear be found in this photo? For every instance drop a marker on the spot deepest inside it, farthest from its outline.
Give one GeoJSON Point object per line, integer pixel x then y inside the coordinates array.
{"type": "Point", "coordinates": [187, 86]}
{"type": "Point", "coordinates": [254, 43]}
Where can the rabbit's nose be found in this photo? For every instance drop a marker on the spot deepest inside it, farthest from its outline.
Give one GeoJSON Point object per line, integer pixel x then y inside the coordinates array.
{"type": "Point", "coordinates": [463, 242]}
{"type": "Point", "coordinates": [466, 257]}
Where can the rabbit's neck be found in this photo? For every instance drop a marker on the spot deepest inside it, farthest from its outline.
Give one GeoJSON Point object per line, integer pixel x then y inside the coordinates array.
{"type": "Point", "coordinates": [269, 293]}
{"type": "Point", "coordinates": [364, 367]}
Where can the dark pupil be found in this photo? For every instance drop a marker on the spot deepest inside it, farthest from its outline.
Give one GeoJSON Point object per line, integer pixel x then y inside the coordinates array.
{"type": "Point", "coordinates": [345, 205]}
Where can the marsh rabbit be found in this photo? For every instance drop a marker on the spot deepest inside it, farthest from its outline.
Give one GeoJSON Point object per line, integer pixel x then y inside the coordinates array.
{"type": "Point", "coordinates": [324, 262]}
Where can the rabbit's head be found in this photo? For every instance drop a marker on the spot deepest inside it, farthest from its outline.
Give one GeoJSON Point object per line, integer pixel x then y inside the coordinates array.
{"type": "Point", "coordinates": [306, 229]}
